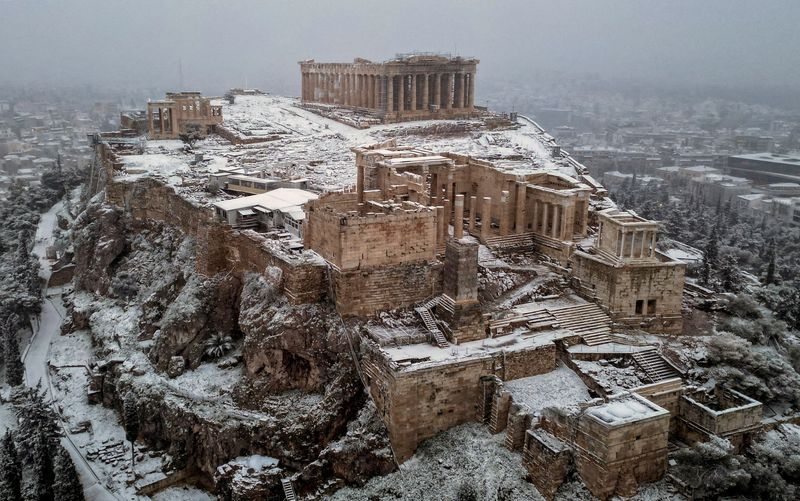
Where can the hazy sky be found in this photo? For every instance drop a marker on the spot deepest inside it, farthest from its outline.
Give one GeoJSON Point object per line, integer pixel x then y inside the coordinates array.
{"type": "Point", "coordinates": [227, 43]}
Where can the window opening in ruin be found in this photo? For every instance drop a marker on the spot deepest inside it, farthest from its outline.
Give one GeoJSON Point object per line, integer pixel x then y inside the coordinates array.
{"type": "Point", "coordinates": [639, 306]}
{"type": "Point", "coordinates": [651, 306]}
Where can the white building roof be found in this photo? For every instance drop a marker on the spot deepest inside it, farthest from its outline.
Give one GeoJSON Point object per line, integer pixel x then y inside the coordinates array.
{"type": "Point", "coordinates": [280, 199]}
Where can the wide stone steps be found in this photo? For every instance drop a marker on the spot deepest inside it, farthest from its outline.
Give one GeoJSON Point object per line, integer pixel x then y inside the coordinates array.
{"type": "Point", "coordinates": [288, 489]}
{"type": "Point", "coordinates": [655, 366]}
{"type": "Point", "coordinates": [510, 241]}
{"type": "Point", "coordinates": [586, 320]}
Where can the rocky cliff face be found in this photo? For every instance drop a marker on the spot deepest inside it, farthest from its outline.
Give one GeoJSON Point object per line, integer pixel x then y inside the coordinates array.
{"type": "Point", "coordinates": [99, 240]}
{"type": "Point", "coordinates": [298, 397]}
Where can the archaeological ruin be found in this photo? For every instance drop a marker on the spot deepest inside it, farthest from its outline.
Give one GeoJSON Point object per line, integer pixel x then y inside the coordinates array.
{"type": "Point", "coordinates": [507, 290]}
{"type": "Point", "coordinates": [168, 118]}
{"type": "Point", "coordinates": [409, 87]}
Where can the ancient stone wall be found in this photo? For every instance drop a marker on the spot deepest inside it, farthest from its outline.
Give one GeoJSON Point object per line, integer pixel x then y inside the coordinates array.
{"type": "Point", "coordinates": [373, 239]}
{"type": "Point", "coordinates": [618, 288]}
{"type": "Point", "coordinates": [219, 248]}
{"type": "Point", "coordinates": [364, 292]}
{"type": "Point", "coordinates": [547, 461]}
{"type": "Point", "coordinates": [419, 403]}
{"type": "Point", "coordinates": [616, 459]}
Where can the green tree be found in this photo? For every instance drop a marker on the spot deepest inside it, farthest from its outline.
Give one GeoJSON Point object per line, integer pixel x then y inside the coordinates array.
{"type": "Point", "coordinates": [710, 255]}
{"type": "Point", "coordinates": [42, 474]}
{"type": "Point", "coordinates": [15, 370]}
{"type": "Point", "coordinates": [10, 470]}
{"type": "Point", "coordinates": [66, 484]}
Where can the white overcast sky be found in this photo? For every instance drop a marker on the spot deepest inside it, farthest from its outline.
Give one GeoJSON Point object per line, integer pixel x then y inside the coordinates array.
{"type": "Point", "coordinates": [227, 43]}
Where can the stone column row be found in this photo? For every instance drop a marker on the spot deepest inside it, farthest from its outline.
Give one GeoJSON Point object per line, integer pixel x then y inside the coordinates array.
{"type": "Point", "coordinates": [359, 90]}
{"type": "Point", "coordinates": [413, 92]}
{"type": "Point", "coordinates": [552, 213]}
{"type": "Point", "coordinates": [627, 246]}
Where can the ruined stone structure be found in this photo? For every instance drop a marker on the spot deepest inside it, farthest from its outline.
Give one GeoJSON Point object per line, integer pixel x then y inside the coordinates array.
{"type": "Point", "coordinates": [625, 273]}
{"type": "Point", "coordinates": [721, 412]}
{"type": "Point", "coordinates": [504, 202]}
{"type": "Point", "coordinates": [409, 87]}
{"type": "Point", "coordinates": [168, 118]}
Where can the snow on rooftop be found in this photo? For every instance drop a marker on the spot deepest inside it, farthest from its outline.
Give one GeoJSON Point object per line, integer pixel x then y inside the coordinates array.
{"type": "Point", "coordinates": [426, 355]}
{"type": "Point", "coordinates": [625, 410]}
{"type": "Point", "coordinates": [279, 199]}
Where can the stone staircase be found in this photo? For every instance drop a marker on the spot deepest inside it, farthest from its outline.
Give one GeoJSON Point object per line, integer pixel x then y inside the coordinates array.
{"type": "Point", "coordinates": [655, 366]}
{"type": "Point", "coordinates": [424, 311]}
{"type": "Point", "coordinates": [534, 320]}
{"type": "Point", "coordinates": [512, 241]}
{"type": "Point", "coordinates": [288, 489]}
{"type": "Point", "coordinates": [588, 321]}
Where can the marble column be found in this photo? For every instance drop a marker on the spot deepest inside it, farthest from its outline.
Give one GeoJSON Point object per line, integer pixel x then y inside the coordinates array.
{"type": "Point", "coordinates": [413, 96]}
{"type": "Point", "coordinates": [653, 238]}
{"type": "Point", "coordinates": [554, 229]}
{"type": "Point", "coordinates": [519, 216]}
{"type": "Point", "coordinates": [644, 245]}
{"type": "Point", "coordinates": [486, 218]}
{"type": "Point", "coordinates": [545, 213]}
{"type": "Point", "coordinates": [505, 212]}
{"type": "Point", "coordinates": [458, 218]}
{"type": "Point", "coordinates": [447, 97]}
{"type": "Point", "coordinates": [425, 99]}
{"type": "Point", "coordinates": [473, 210]}
{"type": "Point", "coordinates": [633, 241]}
{"type": "Point", "coordinates": [437, 89]}
{"type": "Point", "coordinates": [471, 99]}
{"type": "Point", "coordinates": [535, 218]}
{"type": "Point", "coordinates": [458, 90]}
{"type": "Point", "coordinates": [441, 226]}
{"type": "Point", "coordinates": [621, 243]}
{"type": "Point", "coordinates": [401, 94]}
{"type": "Point", "coordinates": [389, 94]}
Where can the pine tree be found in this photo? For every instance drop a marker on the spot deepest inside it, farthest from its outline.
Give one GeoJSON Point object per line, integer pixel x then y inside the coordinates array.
{"type": "Point", "coordinates": [66, 485]}
{"type": "Point", "coordinates": [10, 470]}
{"type": "Point", "coordinates": [729, 275]}
{"type": "Point", "coordinates": [710, 254]}
{"type": "Point", "coordinates": [770, 279]}
{"type": "Point", "coordinates": [15, 371]}
{"type": "Point", "coordinates": [36, 418]}
{"type": "Point", "coordinates": [42, 474]}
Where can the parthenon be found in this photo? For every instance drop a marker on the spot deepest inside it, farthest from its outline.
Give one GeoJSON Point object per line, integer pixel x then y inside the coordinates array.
{"type": "Point", "coordinates": [409, 87]}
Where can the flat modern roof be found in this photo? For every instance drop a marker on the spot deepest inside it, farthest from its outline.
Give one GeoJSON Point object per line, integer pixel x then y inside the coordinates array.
{"type": "Point", "coordinates": [280, 199]}
{"type": "Point", "coordinates": [778, 158]}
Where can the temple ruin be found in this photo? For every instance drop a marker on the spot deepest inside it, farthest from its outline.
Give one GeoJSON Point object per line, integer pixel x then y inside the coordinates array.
{"type": "Point", "coordinates": [408, 87]}
{"type": "Point", "coordinates": [168, 118]}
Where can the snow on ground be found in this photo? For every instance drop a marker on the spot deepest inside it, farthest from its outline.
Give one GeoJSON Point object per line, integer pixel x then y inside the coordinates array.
{"type": "Point", "coordinates": [612, 378]}
{"type": "Point", "coordinates": [467, 453]}
{"type": "Point", "coordinates": [307, 145]}
{"type": "Point", "coordinates": [560, 388]}
{"type": "Point", "coordinates": [183, 493]}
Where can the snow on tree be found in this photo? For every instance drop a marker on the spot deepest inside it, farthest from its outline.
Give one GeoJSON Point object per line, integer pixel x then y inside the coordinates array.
{"type": "Point", "coordinates": [40, 483]}
{"type": "Point", "coordinates": [710, 254]}
{"type": "Point", "coordinates": [10, 470]}
{"type": "Point", "coordinates": [66, 484]}
{"type": "Point", "coordinates": [36, 418]}
{"type": "Point", "coordinates": [15, 370]}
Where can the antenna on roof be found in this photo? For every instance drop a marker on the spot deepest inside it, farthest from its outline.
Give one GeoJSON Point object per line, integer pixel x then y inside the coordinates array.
{"type": "Point", "coordinates": [180, 74]}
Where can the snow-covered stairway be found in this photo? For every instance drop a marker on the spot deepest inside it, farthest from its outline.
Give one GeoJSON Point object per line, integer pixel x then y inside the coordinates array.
{"type": "Point", "coordinates": [655, 366]}
{"type": "Point", "coordinates": [588, 321]}
{"type": "Point", "coordinates": [424, 311]}
{"type": "Point", "coordinates": [517, 240]}
{"type": "Point", "coordinates": [288, 489]}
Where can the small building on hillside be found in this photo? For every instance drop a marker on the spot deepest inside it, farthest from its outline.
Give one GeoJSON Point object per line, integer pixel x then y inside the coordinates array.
{"type": "Point", "coordinates": [280, 208]}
